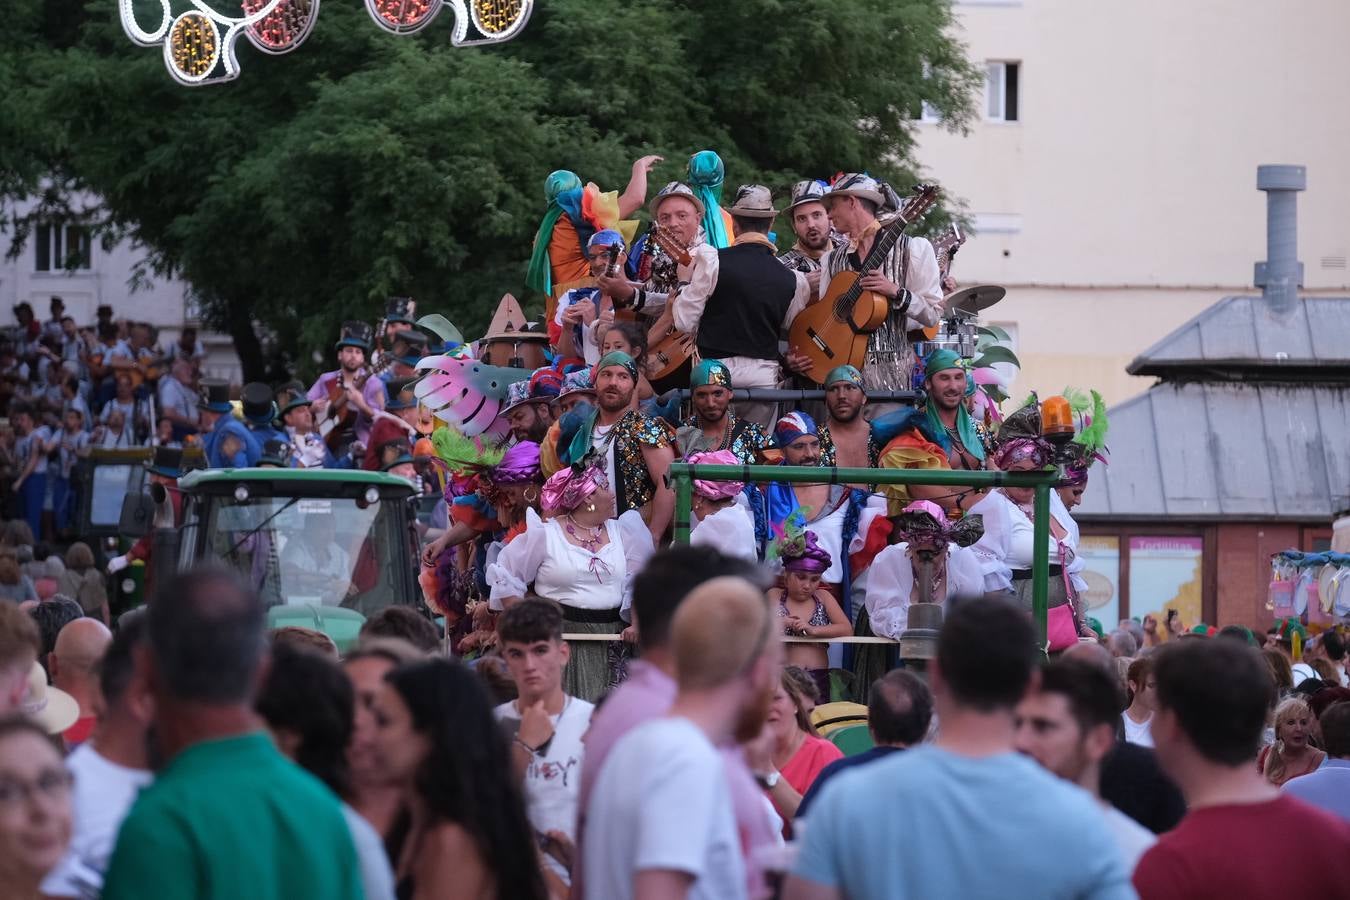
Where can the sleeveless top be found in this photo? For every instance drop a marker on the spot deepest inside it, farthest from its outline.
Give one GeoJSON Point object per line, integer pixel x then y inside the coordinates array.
{"type": "Point", "coordinates": [818, 616]}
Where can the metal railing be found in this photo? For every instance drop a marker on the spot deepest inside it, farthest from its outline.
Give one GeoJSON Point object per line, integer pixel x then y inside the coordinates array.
{"type": "Point", "coordinates": [682, 477]}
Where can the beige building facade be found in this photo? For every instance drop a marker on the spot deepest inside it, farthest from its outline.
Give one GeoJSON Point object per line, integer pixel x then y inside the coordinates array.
{"type": "Point", "coordinates": [1110, 177]}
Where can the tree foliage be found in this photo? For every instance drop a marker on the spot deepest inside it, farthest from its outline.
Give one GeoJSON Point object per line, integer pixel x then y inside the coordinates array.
{"type": "Point", "coordinates": [365, 165]}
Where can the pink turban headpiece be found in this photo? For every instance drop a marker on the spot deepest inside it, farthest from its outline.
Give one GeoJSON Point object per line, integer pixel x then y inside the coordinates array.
{"type": "Point", "coordinates": [568, 488]}
{"type": "Point", "coordinates": [716, 490]}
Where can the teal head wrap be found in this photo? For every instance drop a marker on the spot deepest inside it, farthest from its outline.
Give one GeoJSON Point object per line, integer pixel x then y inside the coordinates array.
{"type": "Point", "coordinates": [706, 174]}
{"type": "Point", "coordinates": [562, 191]}
{"type": "Point", "coordinates": [710, 372]}
{"type": "Point", "coordinates": [939, 361]}
{"type": "Point", "coordinates": [616, 358]}
{"type": "Point", "coordinates": [844, 374]}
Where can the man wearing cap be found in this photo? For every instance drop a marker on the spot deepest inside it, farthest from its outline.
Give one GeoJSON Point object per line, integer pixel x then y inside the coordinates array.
{"type": "Point", "coordinates": [225, 441]}
{"type": "Point", "coordinates": [397, 327]}
{"type": "Point", "coordinates": [586, 312]}
{"type": "Point", "coordinates": [714, 426]}
{"type": "Point", "coordinates": [680, 214]}
{"type": "Point", "coordinates": [636, 447]}
{"type": "Point", "coordinates": [739, 300]}
{"type": "Point", "coordinates": [846, 438]}
{"type": "Point", "coordinates": [528, 409]}
{"type": "Point", "coordinates": [352, 349]}
{"type": "Point", "coordinates": [396, 422]}
{"type": "Point", "coordinates": [811, 225]}
{"type": "Point", "coordinates": [908, 278]}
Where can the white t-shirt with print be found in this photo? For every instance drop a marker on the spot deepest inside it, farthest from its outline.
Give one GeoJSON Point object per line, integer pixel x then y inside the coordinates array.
{"type": "Point", "coordinates": [553, 779]}
{"type": "Point", "coordinates": [661, 801]}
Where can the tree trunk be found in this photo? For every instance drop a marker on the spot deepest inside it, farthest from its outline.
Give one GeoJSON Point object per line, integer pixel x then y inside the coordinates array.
{"type": "Point", "coordinates": [248, 346]}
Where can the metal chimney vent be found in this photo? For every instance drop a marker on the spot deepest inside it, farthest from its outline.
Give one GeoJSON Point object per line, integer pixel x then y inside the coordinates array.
{"type": "Point", "coordinates": [1281, 275]}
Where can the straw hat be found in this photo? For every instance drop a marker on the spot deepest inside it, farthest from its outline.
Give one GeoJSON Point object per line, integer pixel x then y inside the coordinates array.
{"type": "Point", "coordinates": [50, 707]}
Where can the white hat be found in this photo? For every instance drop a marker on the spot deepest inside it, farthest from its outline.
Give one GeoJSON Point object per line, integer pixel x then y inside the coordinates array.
{"type": "Point", "coordinates": [857, 184]}
{"type": "Point", "coordinates": [50, 707]}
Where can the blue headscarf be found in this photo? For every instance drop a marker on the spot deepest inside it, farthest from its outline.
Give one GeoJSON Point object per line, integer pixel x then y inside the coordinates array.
{"type": "Point", "coordinates": [706, 174]}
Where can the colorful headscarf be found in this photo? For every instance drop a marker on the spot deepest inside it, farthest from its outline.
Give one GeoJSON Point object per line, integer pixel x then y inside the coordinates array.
{"type": "Point", "coordinates": [1019, 438]}
{"type": "Point", "coordinates": [716, 490]}
{"type": "Point", "coordinates": [923, 521]}
{"type": "Point", "coordinates": [706, 174]}
{"type": "Point", "coordinates": [801, 553]}
{"type": "Point", "coordinates": [563, 193]}
{"type": "Point", "coordinates": [844, 373]}
{"type": "Point", "coordinates": [792, 426]}
{"type": "Point", "coordinates": [710, 372]}
{"type": "Point", "coordinates": [520, 465]}
{"type": "Point", "coordinates": [939, 361]}
{"type": "Point", "coordinates": [618, 358]}
{"type": "Point", "coordinates": [609, 239]}
{"type": "Point", "coordinates": [569, 487]}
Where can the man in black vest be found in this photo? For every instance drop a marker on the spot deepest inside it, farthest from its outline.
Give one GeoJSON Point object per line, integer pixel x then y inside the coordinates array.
{"type": "Point", "coordinates": [751, 299]}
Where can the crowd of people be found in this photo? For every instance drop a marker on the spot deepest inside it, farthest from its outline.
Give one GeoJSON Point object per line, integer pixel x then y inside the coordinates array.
{"type": "Point", "coordinates": [193, 753]}
{"type": "Point", "coordinates": [592, 712]}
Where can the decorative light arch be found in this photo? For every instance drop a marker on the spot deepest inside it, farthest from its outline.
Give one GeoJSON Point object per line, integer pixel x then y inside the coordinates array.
{"type": "Point", "coordinates": [199, 43]}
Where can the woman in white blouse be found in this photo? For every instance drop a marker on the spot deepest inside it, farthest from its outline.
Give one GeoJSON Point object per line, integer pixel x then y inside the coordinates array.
{"type": "Point", "coordinates": [723, 520]}
{"type": "Point", "coordinates": [583, 560]}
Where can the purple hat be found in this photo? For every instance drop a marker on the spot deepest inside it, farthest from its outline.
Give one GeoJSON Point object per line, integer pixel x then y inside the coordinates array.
{"type": "Point", "coordinates": [519, 465]}
{"type": "Point", "coordinates": [803, 554]}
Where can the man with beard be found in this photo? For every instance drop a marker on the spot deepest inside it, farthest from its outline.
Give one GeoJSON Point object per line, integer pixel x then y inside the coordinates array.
{"type": "Point", "coordinates": [815, 234]}
{"type": "Point", "coordinates": [846, 438]}
{"type": "Point", "coordinates": [945, 437]}
{"type": "Point", "coordinates": [353, 347]}
{"type": "Point", "coordinates": [908, 278]}
{"type": "Point", "coordinates": [636, 447]}
{"type": "Point", "coordinates": [714, 426]}
{"type": "Point", "coordinates": [660, 820]}
{"type": "Point", "coordinates": [528, 408]}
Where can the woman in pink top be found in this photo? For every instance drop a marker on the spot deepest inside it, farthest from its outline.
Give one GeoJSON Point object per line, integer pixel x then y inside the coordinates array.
{"type": "Point", "coordinates": [789, 755]}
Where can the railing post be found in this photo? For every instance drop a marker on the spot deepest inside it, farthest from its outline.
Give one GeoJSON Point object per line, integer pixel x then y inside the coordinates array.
{"type": "Point", "coordinates": [684, 498]}
{"type": "Point", "coordinates": [1040, 561]}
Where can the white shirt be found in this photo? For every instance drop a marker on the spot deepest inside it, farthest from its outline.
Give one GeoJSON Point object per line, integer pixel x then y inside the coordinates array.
{"type": "Point", "coordinates": [174, 395]}
{"type": "Point", "coordinates": [690, 302]}
{"type": "Point", "coordinates": [890, 585]}
{"type": "Point", "coordinates": [377, 876]}
{"type": "Point", "coordinates": [100, 800]}
{"type": "Point", "coordinates": [661, 801]}
{"type": "Point", "coordinates": [553, 779]}
{"type": "Point", "coordinates": [599, 435]}
{"type": "Point", "coordinates": [1140, 733]}
{"type": "Point", "coordinates": [1132, 838]}
{"type": "Point", "coordinates": [730, 530]}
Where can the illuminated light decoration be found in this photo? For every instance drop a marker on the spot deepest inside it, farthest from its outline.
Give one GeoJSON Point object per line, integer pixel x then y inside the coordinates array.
{"type": "Point", "coordinates": [499, 19]}
{"type": "Point", "coordinates": [403, 16]}
{"type": "Point", "coordinates": [193, 47]}
{"type": "Point", "coordinates": [284, 28]}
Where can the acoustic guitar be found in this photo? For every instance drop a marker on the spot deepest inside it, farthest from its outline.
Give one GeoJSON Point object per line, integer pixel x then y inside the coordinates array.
{"type": "Point", "coordinates": [340, 417]}
{"type": "Point", "coordinates": [834, 331]}
{"type": "Point", "coordinates": [669, 350]}
{"type": "Point", "coordinates": [945, 246]}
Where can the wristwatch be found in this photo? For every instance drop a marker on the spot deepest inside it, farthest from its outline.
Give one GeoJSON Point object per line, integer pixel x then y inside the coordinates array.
{"type": "Point", "coordinates": [767, 780]}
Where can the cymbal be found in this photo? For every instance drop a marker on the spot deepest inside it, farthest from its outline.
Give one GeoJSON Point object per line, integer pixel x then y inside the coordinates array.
{"type": "Point", "coordinates": [973, 299]}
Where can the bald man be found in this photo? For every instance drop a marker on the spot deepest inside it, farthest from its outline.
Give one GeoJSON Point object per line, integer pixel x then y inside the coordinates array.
{"type": "Point", "coordinates": [660, 820]}
{"type": "Point", "coordinates": [73, 664]}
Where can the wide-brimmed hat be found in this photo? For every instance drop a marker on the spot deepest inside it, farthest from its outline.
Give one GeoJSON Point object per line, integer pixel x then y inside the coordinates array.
{"type": "Point", "coordinates": [675, 189]}
{"type": "Point", "coordinates": [543, 386]}
{"type": "Point", "coordinates": [857, 184]}
{"type": "Point", "coordinates": [214, 396]}
{"type": "Point", "coordinates": [166, 462]}
{"type": "Point", "coordinates": [401, 394]}
{"type": "Point", "coordinates": [291, 395]}
{"type": "Point", "coordinates": [810, 191]}
{"type": "Point", "coordinates": [258, 403]}
{"type": "Point", "coordinates": [400, 309]}
{"type": "Point", "coordinates": [51, 707]}
{"type": "Point", "coordinates": [753, 201]}
{"type": "Point", "coordinates": [578, 382]}
{"type": "Point", "coordinates": [355, 334]}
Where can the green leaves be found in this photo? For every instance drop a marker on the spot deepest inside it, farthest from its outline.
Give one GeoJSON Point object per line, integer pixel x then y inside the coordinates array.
{"type": "Point", "coordinates": [365, 165]}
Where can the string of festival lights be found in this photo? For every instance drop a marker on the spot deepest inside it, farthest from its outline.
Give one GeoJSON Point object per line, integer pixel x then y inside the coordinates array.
{"type": "Point", "coordinates": [199, 43]}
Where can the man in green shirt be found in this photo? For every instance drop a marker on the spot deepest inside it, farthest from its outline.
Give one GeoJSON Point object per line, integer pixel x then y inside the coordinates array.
{"type": "Point", "coordinates": [228, 816]}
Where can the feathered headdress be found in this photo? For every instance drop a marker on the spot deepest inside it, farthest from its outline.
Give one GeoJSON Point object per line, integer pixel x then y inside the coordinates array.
{"type": "Point", "coordinates": [1089, 444]}
{"type": "Point", "coordinates": [1019, 438]}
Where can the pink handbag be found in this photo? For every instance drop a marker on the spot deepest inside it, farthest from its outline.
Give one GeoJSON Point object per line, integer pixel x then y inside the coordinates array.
{"type": "Point", "coordinates": [1061, 627]}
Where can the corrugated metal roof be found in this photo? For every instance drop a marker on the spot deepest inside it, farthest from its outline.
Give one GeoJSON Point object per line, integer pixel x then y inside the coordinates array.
{"type": "Point", "coordinates": [1214, 450]}
{"type": "Point", "coordinates": [1245, 333]}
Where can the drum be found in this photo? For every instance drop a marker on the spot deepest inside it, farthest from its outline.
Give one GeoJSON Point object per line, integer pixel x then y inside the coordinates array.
{"type": "Point", "coordinates": [518, 352]}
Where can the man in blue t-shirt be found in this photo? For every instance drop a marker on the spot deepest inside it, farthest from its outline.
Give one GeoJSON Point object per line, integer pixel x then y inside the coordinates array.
{"type": "Point", "coordinates": [967, 816]}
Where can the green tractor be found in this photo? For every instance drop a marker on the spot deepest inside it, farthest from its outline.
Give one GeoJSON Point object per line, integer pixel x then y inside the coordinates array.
{"type": "Point", "coordinates": [324, 548]}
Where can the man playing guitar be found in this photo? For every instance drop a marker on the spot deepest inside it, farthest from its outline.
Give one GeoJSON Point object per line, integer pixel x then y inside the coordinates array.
{"type": "Point", "coordinates": [678, 212]}
{"type": "Point", "coordinates": [908, 277]}
{"type": "Point", "coordinates": [349, 387]}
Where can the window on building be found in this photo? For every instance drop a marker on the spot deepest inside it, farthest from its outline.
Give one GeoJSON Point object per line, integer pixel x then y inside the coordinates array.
{"type": "Point", "coordinates": [1000, 88]}
{"type": "Point", "coordinates": [57, 247]}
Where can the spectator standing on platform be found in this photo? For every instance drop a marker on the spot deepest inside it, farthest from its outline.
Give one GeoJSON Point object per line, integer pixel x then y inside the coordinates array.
{"type": "Point", "coordinates": [901, 827]}
{"type": "Point", "coordinates": [228, 816]}
{"type": "Point", "coordinates": [1241, 838]}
